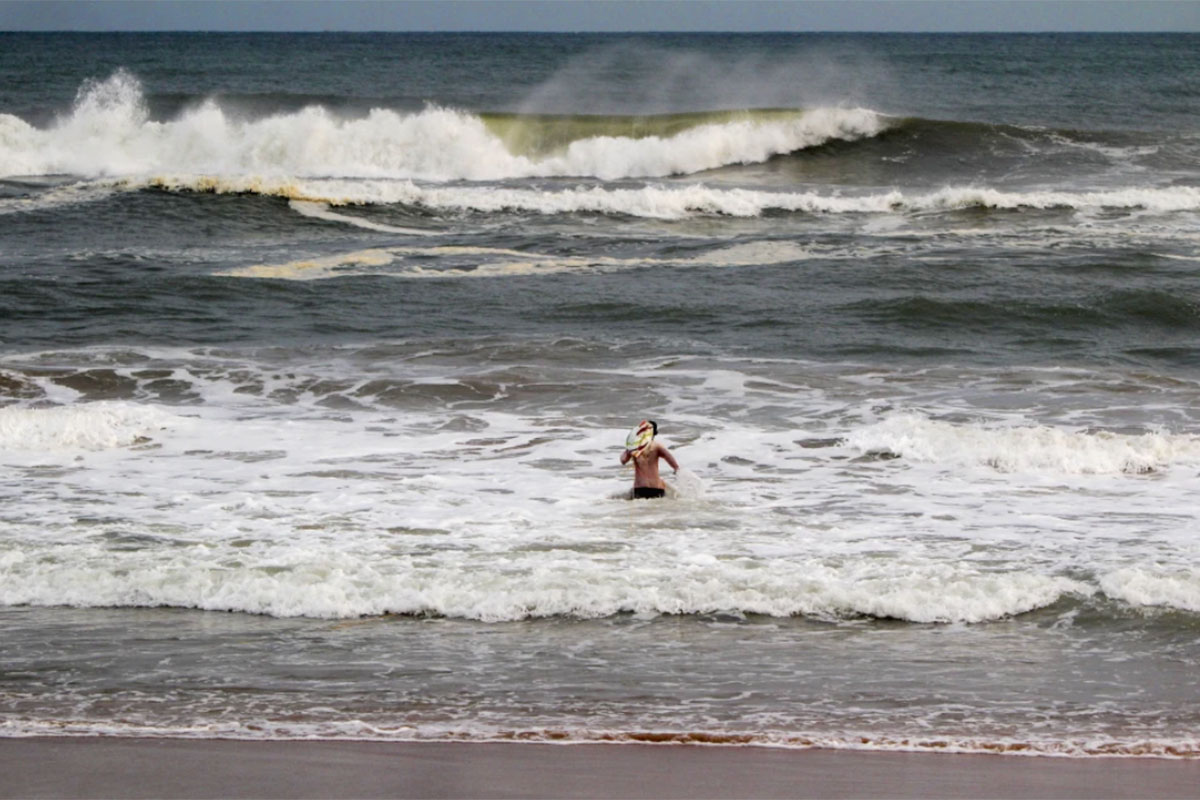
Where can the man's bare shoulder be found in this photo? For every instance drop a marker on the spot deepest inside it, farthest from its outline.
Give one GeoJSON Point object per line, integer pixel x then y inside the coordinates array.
{"type": "Point", "coordinates": [662, 452]}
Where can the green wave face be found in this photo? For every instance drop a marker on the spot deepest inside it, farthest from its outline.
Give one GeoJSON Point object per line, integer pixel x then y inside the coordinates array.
{"type": "Point", "coordinates": [539, 135]}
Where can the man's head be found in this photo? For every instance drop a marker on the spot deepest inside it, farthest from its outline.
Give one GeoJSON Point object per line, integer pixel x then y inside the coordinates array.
{"type": "Point", "coordinates": [641, 436]}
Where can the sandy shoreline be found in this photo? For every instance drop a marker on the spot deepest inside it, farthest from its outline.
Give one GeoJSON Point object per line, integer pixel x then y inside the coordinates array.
{"type": "Point", "coordinates": [185, 768]}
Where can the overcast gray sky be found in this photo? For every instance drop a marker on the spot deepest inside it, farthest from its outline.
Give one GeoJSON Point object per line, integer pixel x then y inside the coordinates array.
{"type": "Point", "coordinates": [601, 15]}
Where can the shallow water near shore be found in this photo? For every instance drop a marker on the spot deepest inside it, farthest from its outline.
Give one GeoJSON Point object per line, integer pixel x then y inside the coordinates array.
{"type": "Point", "coordinates": [313, 383]}
{"type": "Point", "coordinates": [1008, 687]}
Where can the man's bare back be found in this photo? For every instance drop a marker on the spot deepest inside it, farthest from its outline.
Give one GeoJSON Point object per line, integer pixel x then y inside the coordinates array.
{"type": "Point", "coordinates": [646, 480]}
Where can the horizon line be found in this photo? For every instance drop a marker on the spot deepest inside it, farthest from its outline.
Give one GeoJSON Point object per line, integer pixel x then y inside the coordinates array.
{"type": "Point", "coordinates": [988, 32]}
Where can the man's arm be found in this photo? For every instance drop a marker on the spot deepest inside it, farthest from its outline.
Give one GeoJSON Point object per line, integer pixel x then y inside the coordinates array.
{"type": "Point", "coordinates": [666, 454]}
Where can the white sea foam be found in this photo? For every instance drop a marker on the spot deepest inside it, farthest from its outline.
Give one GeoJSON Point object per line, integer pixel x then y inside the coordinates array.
{"type": "Point", "coordinates": [489, 262]}
{"type": "Point", "coordinates": [359, 262]}
{"type": "Point", "coordinates": [392, 157]}
{"type": "Point", "coordinates": [19, 145]}
{"type": "Point", "coordinates": [552, 580]}
{"type": "Point", "coordinates": [323, 491]}
{"type": "Point", "coordinates": [410, 730]}
{"type": "Point", "coordinates": [322, 211]}
{"type": "Point", "coordinates": [60, 196]}
{"type": "Point", "coordinates": [1176, 198]}
{"type": "Point", "coordinates": [109, 133]}
{"type": "Point", "coordinates": [1139, 586]}
{"type": "Point", "coordinates": [1026, 448]}
{"type": "Point", "coordinates": [671, 202]}
{"type": "Point", "coordinates": [710, 146]}
{"type": "Point", "coordinates": [99, 426]}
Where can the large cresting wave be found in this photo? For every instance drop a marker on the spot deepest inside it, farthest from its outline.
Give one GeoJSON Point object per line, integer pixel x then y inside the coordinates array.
{"type": "Point", "coordinates": [109, 133]}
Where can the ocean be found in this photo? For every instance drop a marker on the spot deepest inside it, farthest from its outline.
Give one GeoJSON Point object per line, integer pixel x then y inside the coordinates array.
{"type": "Point", "coordinates": [318, 353]}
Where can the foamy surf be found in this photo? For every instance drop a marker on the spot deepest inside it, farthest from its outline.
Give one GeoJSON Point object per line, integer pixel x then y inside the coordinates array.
{"type": "Point", "coordinates": [1177, 589]}
{"type": "Point", "coordinates": [316, 210]}
{"type": "Point", "coordinates": [61, 196]}
{"type": "Point", "coordinates": [670, 202]}
{"type": "Point", "coordinates": [317, 581]}
{"type": "Point", "coordinates": [397, 157]}
{"type": "Point", "coordinates": [491, 262]}
{"type": "Point", "coordinates": [406, 513]}
{"type": "Point", "coordinates": [1025, 448]}
{"type": "Point", "coordinates": [567, 733]}
{"type": "Point", "coordinates": [98, 426]}
{"type": "Point", "coordinates": [109, 133]}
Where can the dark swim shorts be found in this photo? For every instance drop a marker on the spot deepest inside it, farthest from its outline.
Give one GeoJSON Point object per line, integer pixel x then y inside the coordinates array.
{"type": "Point", "coordinates": [647, 493]}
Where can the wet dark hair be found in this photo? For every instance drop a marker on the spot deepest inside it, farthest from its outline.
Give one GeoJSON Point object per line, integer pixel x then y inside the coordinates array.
{"type": "Point", "coordinates": [654, 425]}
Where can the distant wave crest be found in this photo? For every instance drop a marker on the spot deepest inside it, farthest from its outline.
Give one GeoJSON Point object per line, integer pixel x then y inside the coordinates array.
{"type": "Point", "coordinates": [671, 202]}
{"type": "Point", "coordinates": [108, 133]}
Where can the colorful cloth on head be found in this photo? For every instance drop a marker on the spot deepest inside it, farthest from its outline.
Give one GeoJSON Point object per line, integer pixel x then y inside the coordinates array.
{"type": "Point", "coordinates": [639, 438]}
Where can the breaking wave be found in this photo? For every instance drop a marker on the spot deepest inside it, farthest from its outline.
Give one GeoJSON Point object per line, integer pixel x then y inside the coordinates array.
{"type": "Point", "coordinates": [448, 160]}
{"type": "Point", "coordinates": [325, 583]}
{"type": "Point", "coordinates": [672, 202]}
{"type": "Point", "coordinates": [98, 426]}
{"type": "Point", "coordinates": [109, 132]}
{"type": "Point", "coordinates": [664, 202]}
{"type": "Point", "coordinates": [1026, 448]}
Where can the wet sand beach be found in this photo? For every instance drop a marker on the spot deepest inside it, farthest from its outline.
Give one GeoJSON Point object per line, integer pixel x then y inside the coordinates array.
{"type": "Point", "coordinates": [175, 768]}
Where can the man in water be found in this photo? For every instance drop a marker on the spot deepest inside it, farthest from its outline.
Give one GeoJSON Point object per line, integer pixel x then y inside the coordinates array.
{"type": "Point", "coordinates": [645, 452]}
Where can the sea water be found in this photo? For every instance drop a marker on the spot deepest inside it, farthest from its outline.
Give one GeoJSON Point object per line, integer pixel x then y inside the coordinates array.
{"type": "Point", "coordinates": [318, 352]}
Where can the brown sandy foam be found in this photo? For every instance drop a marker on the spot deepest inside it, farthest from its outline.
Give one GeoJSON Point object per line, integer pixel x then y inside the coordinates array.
{"type": "Point", "coordinates": [184, 768]}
